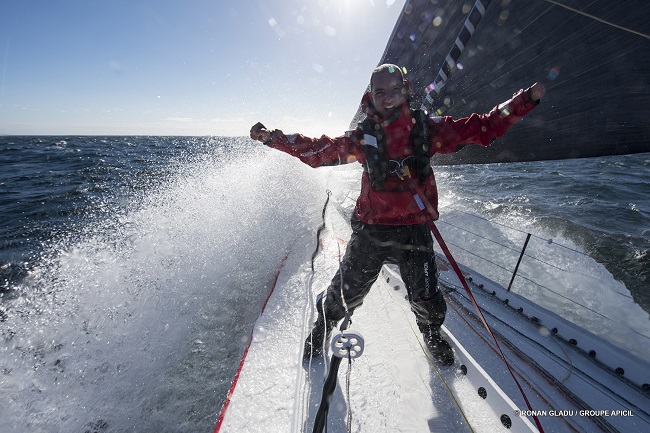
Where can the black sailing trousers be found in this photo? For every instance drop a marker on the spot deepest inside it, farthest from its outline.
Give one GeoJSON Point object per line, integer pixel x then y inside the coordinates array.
{"type": "Point", "coordinates": [371, 246]}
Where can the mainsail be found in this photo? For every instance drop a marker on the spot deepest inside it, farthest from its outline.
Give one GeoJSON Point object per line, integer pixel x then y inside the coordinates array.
{"type": "Point", "coordinates": [593, 57]}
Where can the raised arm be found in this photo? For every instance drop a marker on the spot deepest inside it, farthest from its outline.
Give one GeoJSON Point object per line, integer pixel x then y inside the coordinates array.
{"type": "Point", "coordinates": [483, 129]}
{"type": "Point", "coordinates": [315, 152]}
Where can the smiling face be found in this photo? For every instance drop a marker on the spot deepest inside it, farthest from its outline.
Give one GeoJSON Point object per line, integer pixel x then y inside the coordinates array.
{"type": "Point", "coordinates": [387, 91]}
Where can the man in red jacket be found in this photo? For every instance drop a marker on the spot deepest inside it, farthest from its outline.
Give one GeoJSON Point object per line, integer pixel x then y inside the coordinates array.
{"type": "Point", "coordinates": [394, 144]}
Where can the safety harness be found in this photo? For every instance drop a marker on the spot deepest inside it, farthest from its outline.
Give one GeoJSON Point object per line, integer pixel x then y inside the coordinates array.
{"type": "Point", "coordinates": [379, 167]}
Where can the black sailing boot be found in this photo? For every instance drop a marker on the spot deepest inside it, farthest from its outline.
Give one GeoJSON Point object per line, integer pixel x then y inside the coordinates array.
{"type": "Point", "coordinates": [439, 348]}
{"type": "Point", "coordinates": [319, 334]}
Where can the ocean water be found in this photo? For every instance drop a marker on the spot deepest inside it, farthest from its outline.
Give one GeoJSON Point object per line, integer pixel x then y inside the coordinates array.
{"type": "Point", "coordinates": [133, 268]}
{"type": "Point", "coordinates": [601, 205]}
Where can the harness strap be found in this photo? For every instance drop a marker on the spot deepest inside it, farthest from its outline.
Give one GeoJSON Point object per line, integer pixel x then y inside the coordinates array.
{"type": "Point", "coordinates": [377, 163]}
{"type": "Point", "coordinates": [426, 207]}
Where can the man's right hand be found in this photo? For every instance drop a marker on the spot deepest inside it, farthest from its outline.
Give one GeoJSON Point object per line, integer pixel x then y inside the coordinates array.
{"type": "Point", "coordinates": [536, 91]}
{"type": "Point", "coordinates": [260, 133]}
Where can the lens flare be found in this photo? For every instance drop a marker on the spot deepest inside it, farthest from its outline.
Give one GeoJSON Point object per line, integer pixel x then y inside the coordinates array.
{"type": "Point", "coordinates": [553, 73]}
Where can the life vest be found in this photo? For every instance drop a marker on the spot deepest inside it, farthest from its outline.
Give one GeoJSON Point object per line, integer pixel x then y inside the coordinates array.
{"type": "Point", "coordinates": [379, 167]}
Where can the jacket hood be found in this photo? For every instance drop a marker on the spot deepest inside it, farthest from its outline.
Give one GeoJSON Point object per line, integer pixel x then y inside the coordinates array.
{"type": "Point", "coordinates": [367, 107]}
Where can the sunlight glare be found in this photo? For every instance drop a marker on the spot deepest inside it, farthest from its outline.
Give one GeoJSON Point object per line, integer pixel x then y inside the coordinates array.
{"type": "Point", "coordinates": [350, 6]}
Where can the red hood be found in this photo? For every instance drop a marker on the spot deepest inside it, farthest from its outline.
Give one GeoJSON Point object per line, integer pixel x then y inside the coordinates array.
{"type": "Point", "coordinates": [367, 106]}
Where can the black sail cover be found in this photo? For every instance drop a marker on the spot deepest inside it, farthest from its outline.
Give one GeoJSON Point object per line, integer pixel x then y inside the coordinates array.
{"type": "Point", "coordinates": [593, 57]}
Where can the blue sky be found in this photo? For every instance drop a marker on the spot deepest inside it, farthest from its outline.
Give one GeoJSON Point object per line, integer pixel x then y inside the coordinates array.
{"type": "Point", "coordinates": [196, 67]}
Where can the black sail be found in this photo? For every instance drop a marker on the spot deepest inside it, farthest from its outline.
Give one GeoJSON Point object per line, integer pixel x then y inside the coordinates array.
{"type": "Point", "coordinates": [593, 57]}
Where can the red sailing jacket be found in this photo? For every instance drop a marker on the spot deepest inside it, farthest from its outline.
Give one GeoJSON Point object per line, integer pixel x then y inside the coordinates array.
{"type": "Point", "coordinates": [388, 207]}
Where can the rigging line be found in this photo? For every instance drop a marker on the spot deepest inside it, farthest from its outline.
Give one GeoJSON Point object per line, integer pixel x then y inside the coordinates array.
{"type": "Point", "coordinates": [575, 371]}
{"type": "Point", "coordinates": [508, 227]}
{"type": "Point", "coordinates": [566, 298]}
{"type": "Point", "coordinates": [536, 283]}
{"type": "Point", "coordinates": [538, 43]}
{"type": "Point", "coordinates": [452, 262]}
{"type": "Point", "coordinates": [587, 308]}
{"type": "Point", "coordinates": [518, 230]}
{"type": "Point", "coordinates": [541, 394]}
{"type": "Point", "coordinates": [481, 236]}
{"type": "Point", "coordinates": [514, 347]}
{"type": "Point", "coordinates": [516, 250]}
{"type": "Point", "coordinates": [573, 271]}
{"type": "Point", "coordinates": [552, 291]}
{"type": "Point", "coordinates": [482, 258]}
{"type": "Point", "coordinates": [593, 17]}
{"type": "Point", "coordinates": [427, 209]}
{"type": "Point", "coordinates": [456, 306]}
{"type": "Point", "coordinates": [500, 319]}
{"type": "Point", "coordinates": [519, 275]}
